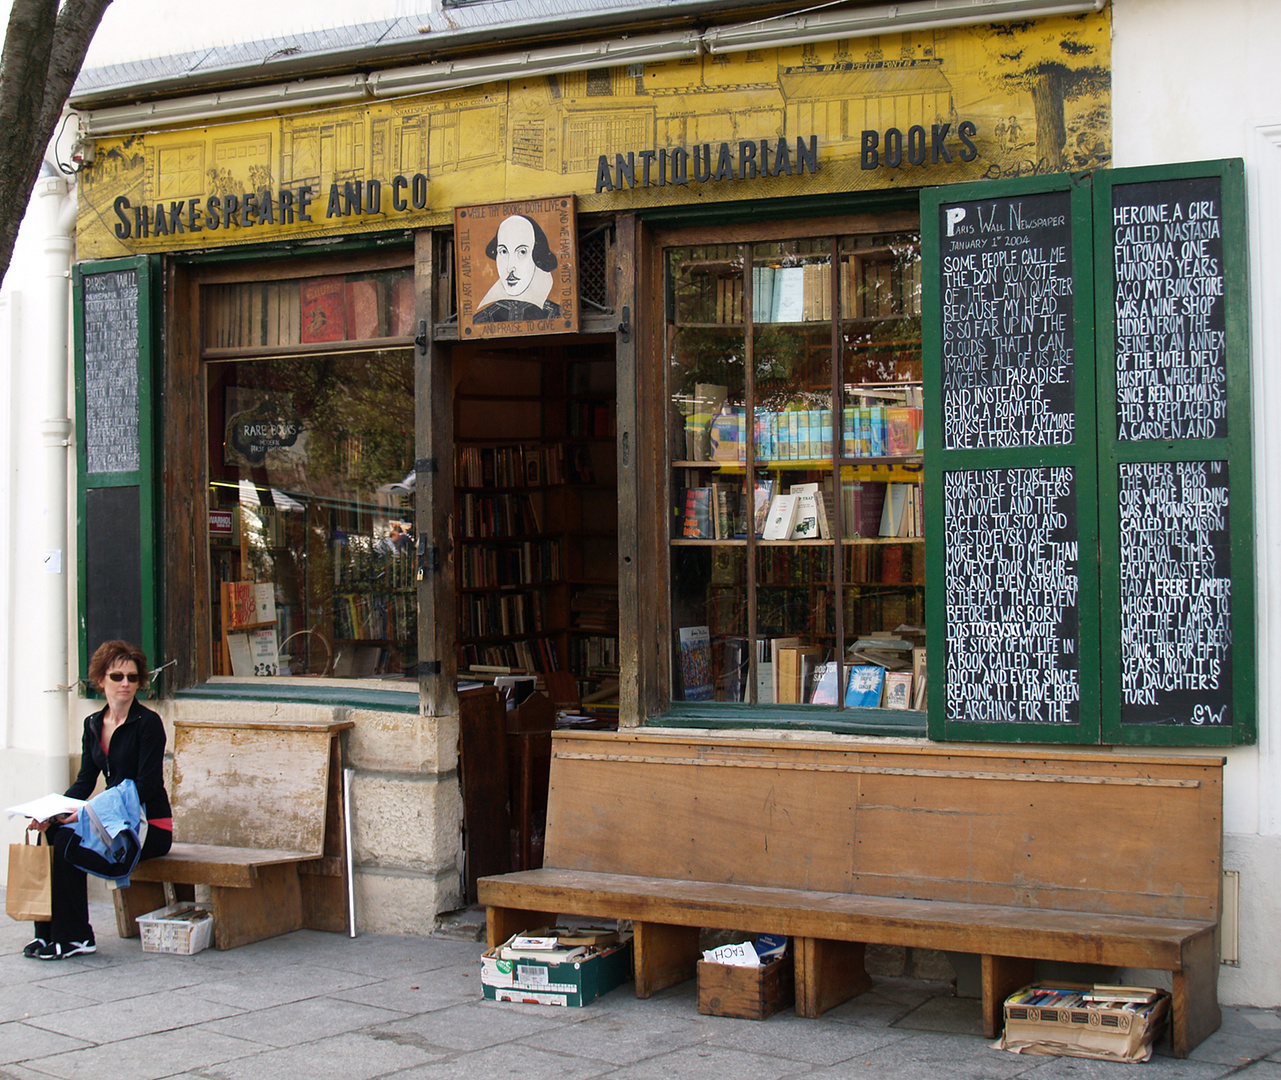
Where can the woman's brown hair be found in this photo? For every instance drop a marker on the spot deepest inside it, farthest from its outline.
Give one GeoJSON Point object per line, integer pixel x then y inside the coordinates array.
{"type": "Point", "coordinates": [110, 653]}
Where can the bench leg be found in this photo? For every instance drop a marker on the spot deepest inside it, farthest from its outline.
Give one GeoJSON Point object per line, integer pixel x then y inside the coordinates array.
{"type": "Point", "coordinates": [140, 898]}
{"type": "Point", "coordinates": [663, 956]}
{"type": "Point", "coordinates": [501, 923]}
{"type": "Point", "coordinates": [1194, 1005]}
{"type": "Point", "coordinates": [828, 973]}
{"type": "Point", "coordinates": [1002, 975]}
{"type": "Point", "coordinates": [271, 906]}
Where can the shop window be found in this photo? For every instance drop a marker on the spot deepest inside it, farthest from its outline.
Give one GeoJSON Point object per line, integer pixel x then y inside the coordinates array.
{"type": "Point", "coordinates": [310, 403]}
{"type": "Point", "coordinates": [797, 535]}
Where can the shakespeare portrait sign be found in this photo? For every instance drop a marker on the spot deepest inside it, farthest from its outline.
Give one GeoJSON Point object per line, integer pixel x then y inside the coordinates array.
{"type": "Point", "coordinates": [517, 268]}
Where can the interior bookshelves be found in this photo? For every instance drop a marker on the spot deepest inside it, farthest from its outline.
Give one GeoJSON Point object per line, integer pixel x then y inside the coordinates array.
{"type": "Point", "coordinates": [316, 529]}
{"type": "Point", "coordinates": [537, 508]}
{"type": "Point", "coordinates": [763, 339]}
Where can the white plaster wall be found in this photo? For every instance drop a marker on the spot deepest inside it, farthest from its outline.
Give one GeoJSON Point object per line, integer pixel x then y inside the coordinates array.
{"type": "Point", "coordinates": [1192, 81]}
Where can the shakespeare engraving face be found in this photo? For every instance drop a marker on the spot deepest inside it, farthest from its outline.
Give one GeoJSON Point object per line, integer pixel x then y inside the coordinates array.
{"type": "Point", "coordinates": [520, 250]}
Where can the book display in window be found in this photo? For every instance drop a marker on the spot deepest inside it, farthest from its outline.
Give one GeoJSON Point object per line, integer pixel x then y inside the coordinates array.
{"type": "Point", "coordinates": [795, 454]}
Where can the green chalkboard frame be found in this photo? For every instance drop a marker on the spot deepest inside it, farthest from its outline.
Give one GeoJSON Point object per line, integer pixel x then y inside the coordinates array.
{"type": "Point", "coordinates": [1080, 457]}
{"type": "Point", "coordinates": [143, 480]}
{"type": "Point", "coordinates": [1093, 276]}
{"type": "Point", "coordinates": [1235, 449]}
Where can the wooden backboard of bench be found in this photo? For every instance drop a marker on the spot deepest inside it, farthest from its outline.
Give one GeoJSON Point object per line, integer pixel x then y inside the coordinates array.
{"type": "Point", "coordinates": [258, 816]}
{"type": "Point", "coordinates": [1013, 854]}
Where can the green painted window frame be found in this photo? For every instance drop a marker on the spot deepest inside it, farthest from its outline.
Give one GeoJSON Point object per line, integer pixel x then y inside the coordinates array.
{"type": "Point", "coordinates": [1096, 459]}
{"type": "Point", "coordinates": [144, 478]}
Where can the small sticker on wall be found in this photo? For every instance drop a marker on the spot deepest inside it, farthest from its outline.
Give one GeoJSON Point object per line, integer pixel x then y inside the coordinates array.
{"type": "Point", "coordinates": [53, 562]}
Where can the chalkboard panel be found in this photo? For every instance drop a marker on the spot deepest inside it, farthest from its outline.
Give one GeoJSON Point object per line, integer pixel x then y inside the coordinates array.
{"type": "Point", "coordinates": [111, 371]}
{"type": "Point", "coordinates": [1176, 593]}
{"type": "Point", "coordinates": [1008, 344]}
{"type": "Point", "coordinates": [112, 566]}
{"type": "Point", "coordinates": [1171, 354]}
{"type": "Point", "coordinates": [1012, 592]}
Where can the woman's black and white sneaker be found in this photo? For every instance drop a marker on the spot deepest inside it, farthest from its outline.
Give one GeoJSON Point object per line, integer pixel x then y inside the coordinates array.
{"type": "Point", "coordinates": [60, 950]}
{"type": "Point", "coordinates": [32, 947]}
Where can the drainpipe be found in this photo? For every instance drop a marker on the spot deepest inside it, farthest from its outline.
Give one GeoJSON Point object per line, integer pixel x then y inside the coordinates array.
{"type": "Point", "coordinates": [49, 654]}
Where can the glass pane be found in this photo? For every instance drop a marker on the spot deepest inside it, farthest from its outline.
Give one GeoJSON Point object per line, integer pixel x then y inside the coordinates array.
{"type": "Point", "coordinates": [313, 477]}
{"type": "Point", "coordinates": [796, 644]}
{"type": "Point", "coordinates": [309, 311]}
{"type": "Point", "coordinates": [708, 448]}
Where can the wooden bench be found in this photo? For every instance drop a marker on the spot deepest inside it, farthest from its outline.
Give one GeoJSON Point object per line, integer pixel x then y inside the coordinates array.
{"type": "Point", "coordinates": [258, 817]}
{"type": "Point", "coordinates": [1014, 855]}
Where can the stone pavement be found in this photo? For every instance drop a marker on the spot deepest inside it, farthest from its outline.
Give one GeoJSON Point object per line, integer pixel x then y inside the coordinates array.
{"type": "Point", "coordinates": [312, 1004]}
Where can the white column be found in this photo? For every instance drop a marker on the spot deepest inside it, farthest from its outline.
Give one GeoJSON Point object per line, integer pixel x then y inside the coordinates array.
{"type": "Point", "coordinates": [44, 580]}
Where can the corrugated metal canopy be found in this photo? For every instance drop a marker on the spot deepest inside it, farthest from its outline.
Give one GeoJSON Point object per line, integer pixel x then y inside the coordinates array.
{"type": "Point", "coordinates": [418, 38]}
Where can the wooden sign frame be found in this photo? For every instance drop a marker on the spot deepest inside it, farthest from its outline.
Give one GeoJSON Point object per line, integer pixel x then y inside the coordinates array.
{"type": "Point", "coordinates": [517, 268]}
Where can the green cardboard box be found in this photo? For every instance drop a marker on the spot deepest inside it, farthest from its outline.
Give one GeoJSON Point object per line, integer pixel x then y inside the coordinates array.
{"type": "Point", "coordinates": [573, 983]}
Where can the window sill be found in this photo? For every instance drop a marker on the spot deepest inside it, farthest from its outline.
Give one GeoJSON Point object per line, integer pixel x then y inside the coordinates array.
{"type": "Point", "coordinates": [901, 723]}
{"type": "Point", "coordinates": [359, 693]}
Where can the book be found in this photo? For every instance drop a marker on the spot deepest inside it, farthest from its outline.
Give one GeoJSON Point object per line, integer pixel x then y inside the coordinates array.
{"type": "Point", "coordinates": [790, 672]}
{"type": "Point", "coordinates": [723, 436]}
{"type": "Point", "coordinates": [763, 493]}
{"type": "Point", "coordinates": [863, 689]}
{"type": "Point", "coordinates": [697, 523]}
{"type": "Point", "coordinates": [364, 309]}
{"type": "Point", "coordinates": [696, 663]}
{"type": "Point", "coordinates": [324, 310]}
{"type": "Point", "coordinates": [776, 645]}
{"type": "Point", "coordinates": [823, 686]}
{"type": "Point", "coordinates": [898, 689]}
{"type": "Point", "coordinates": [46, 807]}
{"type": "Point", "coordinates": [789, 294]}
{"type": "Point", "coordinates": [781, 518]}
{"type": "Point", "coordinates": [918, 695]}
{"type": "Point", "coordinates": [892, 510]}
{"type": "Point", "coordinates": [806, 526]}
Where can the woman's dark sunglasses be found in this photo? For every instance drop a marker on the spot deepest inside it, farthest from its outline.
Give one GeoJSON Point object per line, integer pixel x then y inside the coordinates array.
{"type": "Point", "coordinates": [116, 676]}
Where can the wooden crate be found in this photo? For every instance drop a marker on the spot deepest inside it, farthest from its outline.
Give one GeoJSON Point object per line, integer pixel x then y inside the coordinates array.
{"type": "Point", "coordinates": [748, 993]}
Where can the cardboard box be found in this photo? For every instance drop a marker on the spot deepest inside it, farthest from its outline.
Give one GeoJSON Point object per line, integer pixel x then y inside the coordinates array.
{"type": "Point", "coordinates": [1107, 1032]}
{"type": "Point", "coordinates": [180, 929]}
{"type": "Point", "coordinates": [749, 993]}
{"type": "Point", "coordinates": [573, 983]}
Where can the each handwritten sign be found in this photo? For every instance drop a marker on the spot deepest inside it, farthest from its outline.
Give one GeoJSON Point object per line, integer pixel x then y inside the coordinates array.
{"type": "Point", "coordinates": [1008, 348]}
{"type": "Point", "coordinates": [111, 371]}
{"type": "Point", "coordinates": [1171, 355]}
{"type": "Point", "coordinates": [1176, 593]}
{"type": "Point", "coordinates": [1013, 651]}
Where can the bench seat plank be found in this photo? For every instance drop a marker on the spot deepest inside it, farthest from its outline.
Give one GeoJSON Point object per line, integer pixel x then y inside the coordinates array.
{"type": "Point", "coordinates": [213, 864]}
{"type": "Point", "coordinates": [1112, 940]}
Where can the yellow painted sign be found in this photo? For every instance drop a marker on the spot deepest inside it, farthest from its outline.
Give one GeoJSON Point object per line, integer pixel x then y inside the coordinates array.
{"type": "Point", "coordinates": [894, 111]}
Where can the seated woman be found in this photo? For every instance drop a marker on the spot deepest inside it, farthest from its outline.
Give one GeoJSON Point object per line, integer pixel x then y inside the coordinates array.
{"type": "Point", "coordinates": [123, 741]}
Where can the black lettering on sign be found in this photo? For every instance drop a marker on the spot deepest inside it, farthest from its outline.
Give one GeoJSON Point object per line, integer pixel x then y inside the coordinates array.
{"type": "Point", "coordinates": [1012, 621]}
{"type": "Point", "coordinates": [1167, 254]}
{"type": "Point", "coordinates": [1008, 339]}
{"type": "Point", "coordinates": [1176, 593]}
{"type": "Point", "coordinates": [111, 371]}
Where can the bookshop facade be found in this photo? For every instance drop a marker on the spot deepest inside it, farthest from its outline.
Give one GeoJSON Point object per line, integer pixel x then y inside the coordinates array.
{"type": "Point", "coordinates": [755, 389]}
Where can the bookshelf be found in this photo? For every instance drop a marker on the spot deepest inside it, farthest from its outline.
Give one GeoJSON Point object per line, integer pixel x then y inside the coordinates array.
{"type": "Point", "coordinates": [537, 509]}
{"type": "Point", "coordinates": [795, 455]}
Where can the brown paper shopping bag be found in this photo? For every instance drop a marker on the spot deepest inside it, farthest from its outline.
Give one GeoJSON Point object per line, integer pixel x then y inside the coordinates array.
{"type": "Point", "coordinates": [28, 894]}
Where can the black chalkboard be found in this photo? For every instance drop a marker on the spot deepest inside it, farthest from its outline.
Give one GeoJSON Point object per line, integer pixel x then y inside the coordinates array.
{"type": "Point", "coordinates": [1007, 305]}
{"type": "Point", "coordinates": [112, 566]}
{"type": "Point", "coordinates": [1176, 593]}
{"type": "Point", "coordinates": [110, 321]}
{"type": "Point", "coordinates": [1171, 350]}
{"type": "Point", "coordinates": [1012, 593]}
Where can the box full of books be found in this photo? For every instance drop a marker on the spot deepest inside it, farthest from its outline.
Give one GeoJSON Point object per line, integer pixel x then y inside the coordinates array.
{"type": "Point", "coordinates": [748, 980]}
{"type": "Point", "coordinates": [1108, 1022]}
{"type": "Point", "coordinates": [557, 966]}
{"type": "Point", "coordinates": [182, 929]}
